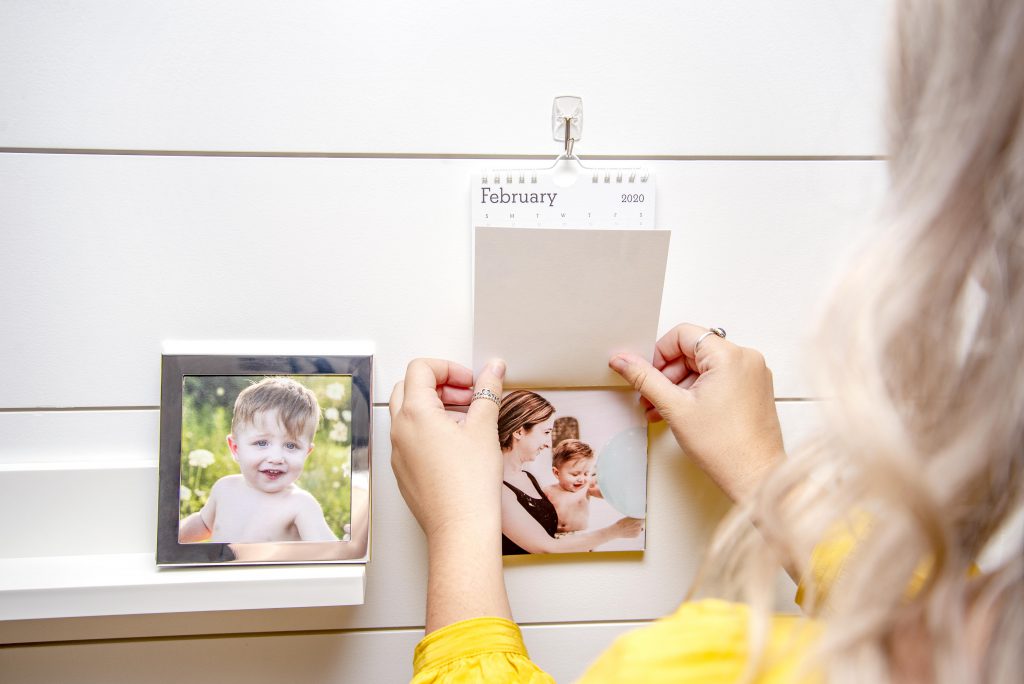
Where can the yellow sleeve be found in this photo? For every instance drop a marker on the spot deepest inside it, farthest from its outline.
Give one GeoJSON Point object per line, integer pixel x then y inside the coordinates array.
{"type": "Point", "coordinates": [487, 649]}
{"type": "Point", "coordinates": [830, 557]}
{"type": "Point", "coordinates": [707, 642]}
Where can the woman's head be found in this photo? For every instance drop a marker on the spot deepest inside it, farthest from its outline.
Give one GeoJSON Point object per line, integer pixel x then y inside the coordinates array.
{"type": "Point", "coordinates": [522, 411]}
{"type": "Point", "coordinates": [924, 338]}
{"type": "Point", "coordinates": [920, 351]}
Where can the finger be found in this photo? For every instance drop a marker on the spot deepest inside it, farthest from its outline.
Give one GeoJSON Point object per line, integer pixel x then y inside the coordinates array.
{"type": "Point", "coordinates": [397, 395]}
{"type": "Point", "coordinates": [678, 343]}
{"type": "Point", "coordinates": [651, 412]}
{"type": "Point", "coordinates": [645, 379]}
{"type": "Point", "coordinates": [676, 371]}
{"type": "Point", "coordinates": [424, 376]}
{"type": "Point", "coordinates": [454, 396]}
{"type": "Point", "coordinates": [483, 411]}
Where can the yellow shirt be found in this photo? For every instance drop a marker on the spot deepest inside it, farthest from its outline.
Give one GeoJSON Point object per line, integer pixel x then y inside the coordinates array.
{"type": "Point", "coordinates": [703, 641]}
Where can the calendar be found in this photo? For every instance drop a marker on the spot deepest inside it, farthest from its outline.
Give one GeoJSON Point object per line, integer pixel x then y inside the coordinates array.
{"type": "Point", "coordinates": [568, 271]}
{"type": "Point", "coordinates": [567, 195]}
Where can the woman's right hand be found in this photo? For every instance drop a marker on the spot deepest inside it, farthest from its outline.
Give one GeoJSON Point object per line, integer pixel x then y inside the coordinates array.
{"type": "Point", "coordinates": [719, 404]}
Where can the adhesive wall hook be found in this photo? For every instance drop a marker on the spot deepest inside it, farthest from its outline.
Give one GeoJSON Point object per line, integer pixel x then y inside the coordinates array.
{"type": "Point", "coordinates": [567, 121]}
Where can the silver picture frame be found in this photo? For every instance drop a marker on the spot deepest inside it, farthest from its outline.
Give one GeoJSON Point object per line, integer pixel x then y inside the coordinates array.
{"type": "Point", "coordinates": [354, 374]}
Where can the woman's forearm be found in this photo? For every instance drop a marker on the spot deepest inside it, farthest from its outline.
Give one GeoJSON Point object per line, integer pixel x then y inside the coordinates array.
{"type": "Point", "coordinates": [465, 577]}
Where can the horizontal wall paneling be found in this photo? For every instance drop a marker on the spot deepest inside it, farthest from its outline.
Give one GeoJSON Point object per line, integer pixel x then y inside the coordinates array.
{"type": "Point", "coordinates": [698, 78]}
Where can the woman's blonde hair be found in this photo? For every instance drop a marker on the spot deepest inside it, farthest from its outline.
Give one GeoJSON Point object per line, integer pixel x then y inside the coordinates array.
{"type": "Point", "coordinates": [920, 356]}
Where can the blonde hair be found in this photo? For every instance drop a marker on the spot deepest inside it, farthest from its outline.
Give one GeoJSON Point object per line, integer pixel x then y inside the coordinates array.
{"type": "Point", "coordinates": [298, 410]}
{"type": "Point", "coordinates": [921, 357]}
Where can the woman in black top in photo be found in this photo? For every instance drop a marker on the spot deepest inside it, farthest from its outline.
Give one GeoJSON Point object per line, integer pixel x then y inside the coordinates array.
{"type": "Point", "coordinates": [528, 518]}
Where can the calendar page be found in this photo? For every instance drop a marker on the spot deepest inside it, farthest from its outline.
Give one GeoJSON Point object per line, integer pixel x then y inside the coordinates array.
{"type": "Point", "coordinates": [568, 195]}
{"type": "Point", "coordinates": [556, 304]}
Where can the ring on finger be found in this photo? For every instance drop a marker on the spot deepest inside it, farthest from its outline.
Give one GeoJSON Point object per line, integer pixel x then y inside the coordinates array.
{"type": "Point", "coordinates": [487, 394]}
{"type": "Point", "coordinates": [720, 332]}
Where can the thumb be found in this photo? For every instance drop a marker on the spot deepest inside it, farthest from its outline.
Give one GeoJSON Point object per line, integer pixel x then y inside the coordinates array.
{"type": "Point", "coordinates": [646, 379]}
{"type": "Point", "coordinates": [483, 410]}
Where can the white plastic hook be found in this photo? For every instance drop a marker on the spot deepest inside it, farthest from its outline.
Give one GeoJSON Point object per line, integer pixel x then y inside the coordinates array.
{"type": "Point", "coordinates": [567, 121]}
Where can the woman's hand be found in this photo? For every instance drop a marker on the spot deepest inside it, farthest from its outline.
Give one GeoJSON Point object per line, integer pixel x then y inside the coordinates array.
{"type": "Point", "coordinates": [719, 403]}
{"type": "Point", "coordinates": [449, 474]}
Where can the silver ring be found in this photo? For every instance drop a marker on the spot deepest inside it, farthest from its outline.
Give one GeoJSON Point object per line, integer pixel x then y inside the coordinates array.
{"type": "Point", "coordinates": [487, 394]}
{"type": "Point", "coordinates": [720, 332]}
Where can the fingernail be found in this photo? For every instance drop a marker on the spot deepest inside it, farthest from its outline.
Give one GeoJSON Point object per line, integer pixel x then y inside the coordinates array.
{"type": "Point", "coordinates": [618, 363]}
{"type": "Point", "coordinates": [497, 367]}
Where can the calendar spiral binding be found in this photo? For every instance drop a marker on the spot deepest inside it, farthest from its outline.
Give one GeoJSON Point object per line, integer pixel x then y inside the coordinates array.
{"type": "Point", "coordinates": [524, 176]}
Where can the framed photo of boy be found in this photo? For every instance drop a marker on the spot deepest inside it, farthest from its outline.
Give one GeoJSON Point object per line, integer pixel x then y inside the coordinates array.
{"type": "Point", "coordinates": [264, 459]}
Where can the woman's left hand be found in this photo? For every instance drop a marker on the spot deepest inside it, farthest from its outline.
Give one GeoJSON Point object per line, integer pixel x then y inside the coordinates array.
{"type": "Point", "coordinates": [449, 472]}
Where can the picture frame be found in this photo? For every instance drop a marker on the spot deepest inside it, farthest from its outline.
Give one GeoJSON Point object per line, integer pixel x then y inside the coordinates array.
{"type": "Point", "coordinates": [280, 476]}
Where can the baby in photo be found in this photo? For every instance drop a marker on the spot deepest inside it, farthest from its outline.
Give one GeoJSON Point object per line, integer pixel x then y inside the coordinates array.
{"type": "Point", "coordinates": [572, 463]}
{"type": "Point", "coordinates": [272, 430]}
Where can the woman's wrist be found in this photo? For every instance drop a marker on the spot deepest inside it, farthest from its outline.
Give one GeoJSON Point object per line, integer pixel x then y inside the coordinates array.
{"type": "Point", "coordinates": [465, 573]}
{"type": "Point", "coordinates": [452, 532]}
{"type": "Point", "coordinates": [745, 484]}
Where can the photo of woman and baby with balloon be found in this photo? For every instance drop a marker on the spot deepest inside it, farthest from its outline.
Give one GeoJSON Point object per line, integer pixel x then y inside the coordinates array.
{"type": "Point", "coordinates": [575, 471]}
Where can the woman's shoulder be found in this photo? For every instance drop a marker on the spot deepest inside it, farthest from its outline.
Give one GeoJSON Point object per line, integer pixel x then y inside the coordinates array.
{"type": "Point", "coordinates": [707, 641]}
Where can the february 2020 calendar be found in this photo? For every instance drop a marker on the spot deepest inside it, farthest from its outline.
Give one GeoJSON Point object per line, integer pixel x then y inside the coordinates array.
{"type": "Point", "coordinates": [568, 271]}
{"type": "Point", "coordinates": [568, 195]}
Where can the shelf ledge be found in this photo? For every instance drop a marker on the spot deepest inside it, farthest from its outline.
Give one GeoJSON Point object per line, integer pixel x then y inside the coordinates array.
{"type": "Point", "coordinates": [131, 584]}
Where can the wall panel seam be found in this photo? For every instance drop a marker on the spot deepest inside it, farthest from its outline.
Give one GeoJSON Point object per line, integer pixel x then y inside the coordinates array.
{"type": "Point", "coordinates": [96, 409]}
{"type": "Point", "coordinates": [633, 622]}
{"type": "Point", "coordinates": [423, 155]}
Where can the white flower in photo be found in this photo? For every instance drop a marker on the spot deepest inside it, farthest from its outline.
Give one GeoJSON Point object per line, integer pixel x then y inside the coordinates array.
{"type": "Point", "coordinates": [184, 493]}
{"type": "Point", "coordinates": [347, 415]}
{"type": "Point", "coordinates": [331, 414]}
{"type": "Point", "coordinates": [339, 433]}
{"type": "Point", "coordinates": [220, 392]}
{"type": "Point", "coordinates": [200, 458]}
{"type": "Point", "coordinates": [335, 391]}
{"type": "Point", "coordinates": [335, 469]}
{"type": "Point", "coordinates": [200, 493]}
{"type": "Point", "coordinates": [336, 484]}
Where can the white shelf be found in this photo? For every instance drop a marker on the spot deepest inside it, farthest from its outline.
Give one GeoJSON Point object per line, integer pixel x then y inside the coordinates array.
{"type": "Point", "coordinates": [131, 584]}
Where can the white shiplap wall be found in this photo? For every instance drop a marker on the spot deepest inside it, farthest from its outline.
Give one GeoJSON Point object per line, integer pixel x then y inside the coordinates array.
{"type": "Point", "coordinates": [299, 170]}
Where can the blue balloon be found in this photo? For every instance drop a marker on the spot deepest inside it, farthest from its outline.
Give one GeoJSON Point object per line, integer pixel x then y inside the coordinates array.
{"type": "Point", "coordinates": [622, 472]}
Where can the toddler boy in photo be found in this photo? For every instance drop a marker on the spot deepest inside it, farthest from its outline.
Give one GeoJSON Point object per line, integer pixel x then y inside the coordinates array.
{"type": "Point", "coordinates": [272, 431]}
{"type": "Point", "coordinates": [572, 462]}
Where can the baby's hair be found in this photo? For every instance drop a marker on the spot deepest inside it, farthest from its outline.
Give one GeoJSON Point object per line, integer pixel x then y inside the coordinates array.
{"type": "Point", "coordinates": [296, 405]}
{"type": "Point", "coordinates": [570, 450]}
